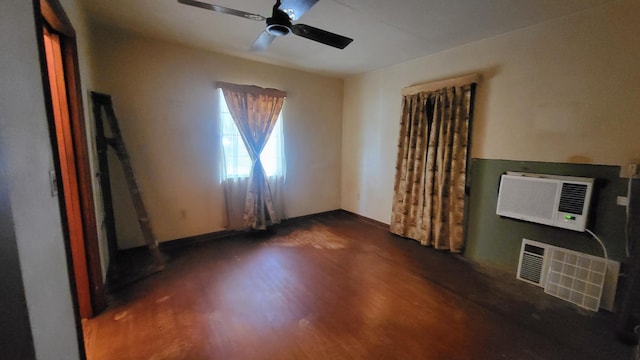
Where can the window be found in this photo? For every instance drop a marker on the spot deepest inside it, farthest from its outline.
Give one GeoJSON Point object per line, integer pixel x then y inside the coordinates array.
{"type": "Point", "coordinates": [237, 162]}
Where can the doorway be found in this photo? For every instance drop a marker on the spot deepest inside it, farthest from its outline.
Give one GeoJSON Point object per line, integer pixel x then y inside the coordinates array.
{"type": "Point", "coordinates": [71, 156]}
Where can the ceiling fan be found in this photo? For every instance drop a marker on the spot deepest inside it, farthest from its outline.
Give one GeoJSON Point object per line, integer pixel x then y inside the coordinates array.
{"type": "Point", "coordinates": [280, 23]}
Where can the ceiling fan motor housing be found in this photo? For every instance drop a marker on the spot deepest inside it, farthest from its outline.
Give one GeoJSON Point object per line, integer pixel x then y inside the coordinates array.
{"type": "Point", "coordinates": [279, 24]}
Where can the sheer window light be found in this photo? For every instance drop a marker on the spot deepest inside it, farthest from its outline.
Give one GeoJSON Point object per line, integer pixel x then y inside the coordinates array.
{"type": "Point", "coordinates": [237, 162]}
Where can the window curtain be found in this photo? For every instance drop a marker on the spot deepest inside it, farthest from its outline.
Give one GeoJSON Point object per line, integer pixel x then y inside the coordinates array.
{"type": "Point", "coordinates": [235, 195]}
{"type": "Point", "coordinates": [255, 111]}
{"type": "Point", "coordinates": [429, 189]}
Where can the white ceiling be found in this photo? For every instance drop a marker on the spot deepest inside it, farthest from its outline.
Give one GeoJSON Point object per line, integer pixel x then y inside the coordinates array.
{"type": "Point", "coordinates": [385, 32]}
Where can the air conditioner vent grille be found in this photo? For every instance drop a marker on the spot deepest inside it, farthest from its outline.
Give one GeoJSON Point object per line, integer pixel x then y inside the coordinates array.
{"type": "Point", "coordinates": [531, 267]}
{"type": "Point", "coordinates": [572, 198]}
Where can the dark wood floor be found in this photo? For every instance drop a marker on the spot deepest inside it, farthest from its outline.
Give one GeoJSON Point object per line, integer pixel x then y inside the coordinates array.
{"type": "Point", "coordinates": [338, 287]}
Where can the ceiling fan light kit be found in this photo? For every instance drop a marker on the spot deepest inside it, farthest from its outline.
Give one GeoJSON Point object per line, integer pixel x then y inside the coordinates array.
{"type": "Point", "coordinates": [280, 23]}
{"type": "Point", "coordinates": [278, 30]}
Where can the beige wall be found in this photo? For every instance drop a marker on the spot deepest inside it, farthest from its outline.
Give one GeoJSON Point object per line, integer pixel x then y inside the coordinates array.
{"type": "Point", "coordinates": [562, 91]}
{"type": "Point", "coordinates": [164, 96]}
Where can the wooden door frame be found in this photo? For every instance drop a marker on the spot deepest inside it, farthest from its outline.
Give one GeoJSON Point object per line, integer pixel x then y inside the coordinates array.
{"type": "Point", "coordinates": [51, 14]}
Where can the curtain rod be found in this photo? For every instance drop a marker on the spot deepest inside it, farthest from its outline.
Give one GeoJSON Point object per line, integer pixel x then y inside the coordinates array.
{"type": "Point", "coordinates": [440, 84]}
{"type": "Point", "coordinates": [254, 89]}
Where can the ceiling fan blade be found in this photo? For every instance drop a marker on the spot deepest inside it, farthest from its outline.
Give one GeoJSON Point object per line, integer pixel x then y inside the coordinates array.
{"type": "Point", "coordinates": [222, 9]}
{"type": "Point", "coordinates": [262, 42]}
{"type": "Point", "coordinates": [321, 36]}
{"type": "Point", "coordinates": [296, 8]}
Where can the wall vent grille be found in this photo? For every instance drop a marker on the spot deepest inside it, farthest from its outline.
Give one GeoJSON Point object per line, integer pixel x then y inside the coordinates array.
{"type": "Point", "coordinates": [532, 266]}
{"type": "Point", "coordinates": [577, 278]}
{"type": "Point", "coordinates": [585, 280]}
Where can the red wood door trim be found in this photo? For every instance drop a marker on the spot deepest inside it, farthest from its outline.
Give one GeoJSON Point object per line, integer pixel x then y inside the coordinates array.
{"type": "Point", "coordinates": [52, 14]}
{"type": "Point", "coordinates": [68, 170]}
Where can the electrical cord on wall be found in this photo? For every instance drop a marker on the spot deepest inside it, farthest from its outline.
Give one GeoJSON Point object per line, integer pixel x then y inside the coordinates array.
{"type": "Point", "coordinates": [627, 224]}
{"type": "Point", "coordinates": [604, 249]}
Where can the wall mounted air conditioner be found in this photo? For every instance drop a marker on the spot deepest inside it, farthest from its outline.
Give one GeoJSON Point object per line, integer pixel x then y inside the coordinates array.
{"type": "Point", "coordinates": [561, 201]}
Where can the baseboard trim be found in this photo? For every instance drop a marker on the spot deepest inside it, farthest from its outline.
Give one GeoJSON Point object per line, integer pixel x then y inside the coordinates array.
{"type": "Point", "coordinates": [190, 240]}
{"type": "Point", "coordinates": [217, 235]}
{"type": "Point", "coordinates": [223, 234]}
{"type": "Point", "coordinates": [366, 219]}
{"type": "Point", "coordinates": [311, 216]}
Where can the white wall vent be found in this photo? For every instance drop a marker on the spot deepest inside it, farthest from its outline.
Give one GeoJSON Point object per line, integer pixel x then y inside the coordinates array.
{"type": "Point", "coordinates": [533, 265]}
{"type": "Point", "coordinates": [561, 201]}
{"type": "Point", "coordinates": [577, 278]}
{"type": "Point", "coordinates": [585, 280]}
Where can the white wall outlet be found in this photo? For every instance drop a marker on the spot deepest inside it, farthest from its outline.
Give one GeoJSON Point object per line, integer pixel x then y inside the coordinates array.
{"type": "Point", "coordinates": [622, 201]}
{"type": "Point", "coordinates": [631, 170]}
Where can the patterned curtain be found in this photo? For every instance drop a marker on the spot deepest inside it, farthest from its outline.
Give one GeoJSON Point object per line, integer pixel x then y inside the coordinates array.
{"type": "Point", "coordinates": [429, 190]}
{"type": "Point", "coordinates": [255, 111]}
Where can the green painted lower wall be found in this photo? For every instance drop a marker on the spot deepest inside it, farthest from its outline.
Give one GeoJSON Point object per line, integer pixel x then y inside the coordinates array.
{"type": "Point", "coordinates": [495, 241]}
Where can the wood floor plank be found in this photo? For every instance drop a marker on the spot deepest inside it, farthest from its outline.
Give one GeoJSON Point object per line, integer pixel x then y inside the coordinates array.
{"type": "Point", "coordinates": [338, 287]}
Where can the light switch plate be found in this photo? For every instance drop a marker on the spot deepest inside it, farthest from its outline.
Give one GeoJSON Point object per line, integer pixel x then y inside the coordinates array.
{"type": "Point", "coordinates": [53, 181]}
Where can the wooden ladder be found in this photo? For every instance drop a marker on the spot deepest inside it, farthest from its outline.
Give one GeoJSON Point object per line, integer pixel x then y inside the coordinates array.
{"type": "Point", "coordinates": [103, 102]}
